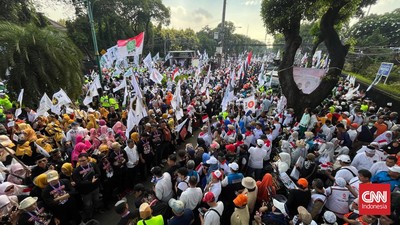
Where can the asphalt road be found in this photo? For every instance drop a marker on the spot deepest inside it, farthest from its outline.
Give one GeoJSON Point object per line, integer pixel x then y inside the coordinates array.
{"type": "Point", "coordinates": [109, 217]}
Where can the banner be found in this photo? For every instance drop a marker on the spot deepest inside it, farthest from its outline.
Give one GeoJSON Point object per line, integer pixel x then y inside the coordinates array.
{"type": "Point", "coordinates": [131, 47]}
{"type": "Point", "coordinates": [60, 98]}
{"type": "Point", "coordinates": [249, 103]}
{"type": "Point", "coordinates": [307, 79]}
{"type": "Point", "coordinates": [148, 61]}
{"type": "Point", "coordinates": [155, 76]}
{"type": "Point", "coordinates": [19, 110]}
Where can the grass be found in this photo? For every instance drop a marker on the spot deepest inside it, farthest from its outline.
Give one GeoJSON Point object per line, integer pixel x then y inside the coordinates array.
{"type": "Point", "coordinates": [391, 89]}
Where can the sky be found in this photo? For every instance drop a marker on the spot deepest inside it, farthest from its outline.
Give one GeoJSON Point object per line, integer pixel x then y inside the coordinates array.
{"type": "Point", "coordinates": [196, 14]}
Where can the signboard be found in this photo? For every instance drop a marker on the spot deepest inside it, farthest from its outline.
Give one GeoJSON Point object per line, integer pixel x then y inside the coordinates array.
{"type": "Point", "coordinates": [216, 35]}
{"type": "Point", "coordinates": [385, 69]}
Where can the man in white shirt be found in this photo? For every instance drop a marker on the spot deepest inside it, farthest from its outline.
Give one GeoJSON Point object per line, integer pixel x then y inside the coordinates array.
{"type": "Point", "coordinates": [213, 215]}
{"type": "Point", "coordinates": [365, 160]}
{"type": "Point", "coordinates": [353, 131]}
{"type": "Point", "coordinates": [277, 129]}
{"type": "Point", "coordinates": [163, 186]}
{"type": "Point", "coordinates": [383, 165]}
{"type": "Point", "coordinates": [364, 177]}
{"type": "Point", "coordinates": [257, 154]}
{"type": "Point", "coordinates": [133, 160]}
{"type": "Point", "coordinates": [193, 195]}
{"type": "Point", "coordinates": [346, 171]}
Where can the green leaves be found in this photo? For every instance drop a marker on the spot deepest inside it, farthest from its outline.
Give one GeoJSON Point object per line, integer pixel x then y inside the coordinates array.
{"type": "Point", "coordinates": [41, 60]}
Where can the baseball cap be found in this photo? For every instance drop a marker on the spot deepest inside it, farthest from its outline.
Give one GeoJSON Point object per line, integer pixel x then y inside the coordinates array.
{"type": "Point", "coordinates": [260, 142]}
{"type": "Point", "coordinates": [395, 169]}
{"type": "Point", "coordinates": [145, 210]}
{"type": "Point", "coordinates": [234, 166]}
{"type": "Point", "coordinates": [120, 206]}
{"type": "Point", "coordinates": [208, 197]}
{"type": "Point", "coordinates": [344, 158]}
{"type": "Point", "coordinates": [177, 206]}
{"type": "Point", "coordinates": [212, 160]}
{"type": "Point", "coordinates": [340, 182]}
{"type": "Point", "coordinates": [52, 175]}
{"type": "Point", "coordinates": [330, 217]}
{"type": "Point", "coordinates": [302, 182]}
{"type": "Point", "coordinates": [217, 174]}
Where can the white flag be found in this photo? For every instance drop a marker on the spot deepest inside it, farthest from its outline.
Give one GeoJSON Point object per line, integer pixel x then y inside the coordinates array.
{"type": "Point", "coordinates": [261, 78]}
{"type": "Point", "coordinates": [156, 57]}
{"type": "Point", "coordinates": [19, 110]}
{"type": "Point", "coordinates": [128, 73]}
{"type": "Point", "coordinates": [42, 150]}
{"type": "Point", "coordinates": [136, 88]}
{"type": "Point", "coordinates": [206, 81]}
{"type": "Point", "coordinates": [177, 99]}
{"type": "Point", "coordinates": [60, 98]}
{"type": "Point", "coordinates": [168, 56]}
{"type": "Point", "coordinates": [155, 76]}
{"type": "Point", "coordinates": [120, 86]}
{"type": "Point", "coordinates": [249, 104]}
{"type": "Point", "coordinates": [92, 91]}
{"type": "Point", "coordinates": [148, 61]}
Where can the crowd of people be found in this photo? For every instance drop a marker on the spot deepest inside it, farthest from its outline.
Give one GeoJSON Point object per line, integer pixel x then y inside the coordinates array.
{"type": "Point", "coordinates": [247, 167]}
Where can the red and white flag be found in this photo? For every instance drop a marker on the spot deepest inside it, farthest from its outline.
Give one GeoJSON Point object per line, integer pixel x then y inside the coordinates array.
{"type": "Point", "coordinates": [131, 47]}
{"type": "Point", "coordinates": [249, 57]}
{"type": "Point", "coordinates": [175, 73]}
{"type": "Point", "coordinates": [249, 104]}
{"type": "Point", "coordinates": [205, 118]}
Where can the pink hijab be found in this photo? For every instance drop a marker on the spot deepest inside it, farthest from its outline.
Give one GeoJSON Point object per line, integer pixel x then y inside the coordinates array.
{"type": "Point", "coordinates": [17, 172]}
{"type": "Point", "coordinates": [79, 148]}
{"type": "Point", "coordinates": [94, 139]}
{"type": "Point", "coordinates": [119, 127]}
{"type": "Point", "coordinates": [80, 139]}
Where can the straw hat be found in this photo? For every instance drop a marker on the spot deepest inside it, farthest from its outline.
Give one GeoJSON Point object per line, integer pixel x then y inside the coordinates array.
{"type": "Point", "coordinates": [27, 202]}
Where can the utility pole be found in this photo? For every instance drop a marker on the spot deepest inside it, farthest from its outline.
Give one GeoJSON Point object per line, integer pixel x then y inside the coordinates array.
{"type": "Point", "coordinates": [89, 6]}
{"type": "Point", "coordinates": [223, 27]}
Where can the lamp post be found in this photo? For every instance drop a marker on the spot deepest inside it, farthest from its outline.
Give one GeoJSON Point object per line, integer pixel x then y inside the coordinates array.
{"type": "Point", "coordinates": [89, 6]}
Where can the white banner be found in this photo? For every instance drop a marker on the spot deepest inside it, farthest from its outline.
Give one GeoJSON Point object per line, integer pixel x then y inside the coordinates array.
{"type": "Point", "coordinates": [307, 79]}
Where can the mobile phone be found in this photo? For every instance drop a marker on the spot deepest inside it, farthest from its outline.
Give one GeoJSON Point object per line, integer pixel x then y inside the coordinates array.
{"type": "Point", "coordinates": [201, 211]}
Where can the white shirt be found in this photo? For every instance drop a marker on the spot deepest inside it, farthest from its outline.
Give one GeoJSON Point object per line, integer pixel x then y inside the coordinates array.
{"type": "Point", "coordinates": [211, 217]}
{"type": "Point", "coordinates": [163, 188]}
{"type": "Point", "coordinates": [133, 156]}
{"type": "Point", "coordinates": [275, 132]}
{"type": "Point", "coordinates": [353, 134]}
{"type": "Point", "coordinates": [216, 189]}
{"type": "Point", "coordinates": [362, 161]}
{"type": "Point", "coordinates": [191, 197]}
{"type": "Point", "coordinates": [345, 173]}
{"type": "Point", "coordinates": [256, 157]}
{"type": "Point", "coordinates": [379, 167]}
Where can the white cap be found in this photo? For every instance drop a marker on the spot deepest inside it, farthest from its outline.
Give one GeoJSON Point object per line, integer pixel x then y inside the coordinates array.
{"type": "Point", "coordinates": [344, 158]}
{"type": "Point", "coordinates": [330, 217]}
{"type": "Point", "coordinates": [212, 160]}
{"type": "Point", "coordinates": [395, 169]}
{"type": "Point", "coordinates": [260, 142]}
{"type": "Point", "coordinates": [234, 166]}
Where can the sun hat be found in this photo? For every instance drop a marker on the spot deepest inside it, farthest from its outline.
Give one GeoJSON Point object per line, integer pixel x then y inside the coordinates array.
{"type": "Point", "coordinates": [27, 202]}
{"type": "Point", "coordinates": [249, 183]}
{"type": "Point", "coordinates": [52, 175]}
{"type": "Point", "coordinates": [304, 214]}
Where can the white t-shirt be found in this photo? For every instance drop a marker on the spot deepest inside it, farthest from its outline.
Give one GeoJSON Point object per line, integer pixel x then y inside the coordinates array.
{"type": "Point", "coordinates": [163, 188]}
{"type": "Point", "coordinates": [256, 157]}
{"type": "Point", "coordinates": [362, 161]}
{"type": "Point", "coordinates": [211, 217]}
{"type": "Point", "coordinates": [191, 197]}
{"type": "Point", "coordinates": [345, 173]}
{"type": "Point", "coordinates": [379, 167]}
{"type": "Point", "coordinates": [216, 189]}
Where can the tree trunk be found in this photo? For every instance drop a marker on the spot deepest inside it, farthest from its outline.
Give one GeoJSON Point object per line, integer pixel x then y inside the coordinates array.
{"type": "Point", "coordinates": [296, 99]}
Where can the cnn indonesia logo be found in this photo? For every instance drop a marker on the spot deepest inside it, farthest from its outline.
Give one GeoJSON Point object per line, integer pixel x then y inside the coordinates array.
{"type": "Point", "coordinates": [374, 199]}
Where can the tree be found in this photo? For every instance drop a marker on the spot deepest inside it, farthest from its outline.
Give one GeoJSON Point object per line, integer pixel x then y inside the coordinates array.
{"type": "Point", "coordinates": [285, 17]}
{"type": "Point", "coordinates": [40, 60]}
{"type": "Point", "coordinates": [116, 20]}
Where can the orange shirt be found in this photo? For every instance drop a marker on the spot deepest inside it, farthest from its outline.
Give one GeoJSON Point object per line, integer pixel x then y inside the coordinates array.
{"type": "Point", "coordinates": [380, 128]}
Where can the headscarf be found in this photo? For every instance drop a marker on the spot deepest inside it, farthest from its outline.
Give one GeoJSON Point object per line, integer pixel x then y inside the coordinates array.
{"type": "Point", "coordinates": [79, 148]}
{"type": "Point", "coordinates": [18, 189]}
{"type": "Point", "coordinates": [326, 152]}
{"type": "Point", "coordinates": [79, 139]}
{"type": "Point", "coordinates": [265, 188]}
{"type": "Point", "coordinates": [68, 169]}
{"type": "Point", "coordinates": [92, 122]}
{"type": "Point", "coordinates": [40, 181]}
{"type": "Point", "coordinates": [93, 138]}
{"type": "Point", "coordinates": [46, 146]}
{"type": "Point", "coordinates": [16, 176]}
{"type": "Point", "coordinates": [118, 126]}
{"type": "Point", "coordinates": [384, 138]}
{"type": "Point", "coordinates": [110, 135]}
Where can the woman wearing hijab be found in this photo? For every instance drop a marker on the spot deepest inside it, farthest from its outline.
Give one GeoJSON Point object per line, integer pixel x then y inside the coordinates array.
{"type": "Point", "coordinates": [78, 149]}
{"type": "Point", "coordinates": [40, 182]}
{"type": "Point", "coordinates": [93, 138]}
{"type": "Point", "coordinates": [265, 189]}
{"type": "Point", "coordinates": [92, 122]}
{"type": "Point", "coordinates": [17, 174]}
